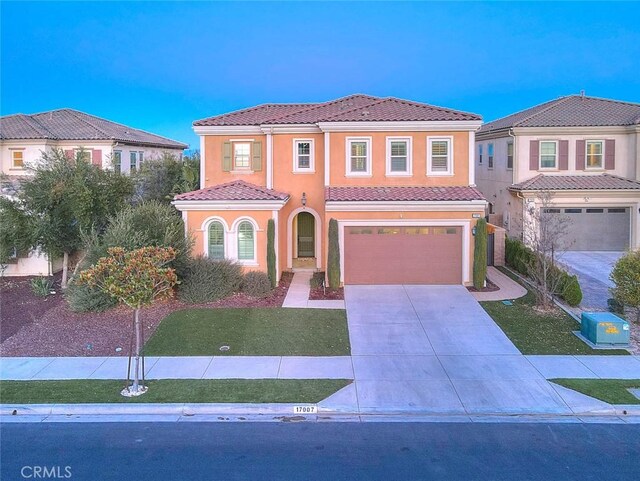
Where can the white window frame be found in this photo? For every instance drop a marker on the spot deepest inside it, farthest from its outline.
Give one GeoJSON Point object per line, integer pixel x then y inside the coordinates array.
{"type": "Point", "coordinates": [513, 151]}
{"type": "Point", "coordinates": [113, 161]}
{"type": "Point", "coordinates": [234, 166]}
{"type": "Point", "coordinates": [555, 167]}
{"type": "Point", "coordinates": [480, 153]}
{"type": "Point", "coordinates": [586, 154]}
{"type": "Point", "coordinates": [224, 238]}
{"type": "Point", "coordinates": [234, 237]}
{"type": "Point", "coordinates": [13, 162]}
{"type": "Point", "coordinates": [491, 155]}
{"type": "Point", "coordinates": [228, 237]}
{"type": "Point", "coordinates": [409, 171]}
{"type": "Point", "coordinates": [449, 171]}
{"type": "Point", "coordinates": [312, 164]}
{"type": "Point", "coordinates": [135, 155]}
{"type": "Point", "coordinates": [347, 142]}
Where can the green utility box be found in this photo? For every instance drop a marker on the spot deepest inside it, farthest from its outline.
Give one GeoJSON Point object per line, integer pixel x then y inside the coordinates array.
{"type": "Point", "coordinates": [605, 328]}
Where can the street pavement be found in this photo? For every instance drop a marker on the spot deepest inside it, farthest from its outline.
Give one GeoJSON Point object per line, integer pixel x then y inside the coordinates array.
{"type": "Point", "coordinates": [321, 451]}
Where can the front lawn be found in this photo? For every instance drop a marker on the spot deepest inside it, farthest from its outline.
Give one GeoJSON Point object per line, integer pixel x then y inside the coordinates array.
{"type": "Point", "coordinates": [172, 391]}
{"type": "Point", "coordinates": [534, 332]}
{"type": "Point", "coordinates": [252, 332]}
{"type": "Point", "coordinates": [612, 391]}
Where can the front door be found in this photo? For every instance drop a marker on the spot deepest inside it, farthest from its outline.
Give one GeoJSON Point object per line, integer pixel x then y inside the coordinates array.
{"type": "Point", "coordinates": [306, 235]}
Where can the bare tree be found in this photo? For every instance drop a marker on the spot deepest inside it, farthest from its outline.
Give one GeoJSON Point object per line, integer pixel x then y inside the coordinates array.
{"type": "Point", "coordinates": [545, 234]}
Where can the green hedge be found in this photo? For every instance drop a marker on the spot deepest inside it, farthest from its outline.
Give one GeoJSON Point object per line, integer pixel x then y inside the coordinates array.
{"type": "Point", "coordinates": [520, 258]}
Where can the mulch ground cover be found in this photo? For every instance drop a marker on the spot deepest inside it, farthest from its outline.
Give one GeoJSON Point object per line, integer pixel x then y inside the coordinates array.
{"type": "Point", "coordinates": [38, 326]}
{"type": "Point", "coordinates": [320, 292]}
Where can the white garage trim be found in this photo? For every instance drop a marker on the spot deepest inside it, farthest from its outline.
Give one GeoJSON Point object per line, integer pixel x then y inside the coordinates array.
{"type": "Point", "coordinates": [466, 234]}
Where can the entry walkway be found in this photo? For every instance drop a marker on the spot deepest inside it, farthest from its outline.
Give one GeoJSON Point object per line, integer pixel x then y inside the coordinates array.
{"type": "Point", "coordinates": [298, 294]}
{"type": "Point", "coordinates": [508, 288]}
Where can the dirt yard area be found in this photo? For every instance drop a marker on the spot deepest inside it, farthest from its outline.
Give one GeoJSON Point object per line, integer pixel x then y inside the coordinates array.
{"type": "Point", "coordinates": [37, 326]}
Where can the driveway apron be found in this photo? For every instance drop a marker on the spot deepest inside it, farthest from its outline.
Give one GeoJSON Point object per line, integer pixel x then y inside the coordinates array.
{"type": "Point", "coordinates": [434, 349]}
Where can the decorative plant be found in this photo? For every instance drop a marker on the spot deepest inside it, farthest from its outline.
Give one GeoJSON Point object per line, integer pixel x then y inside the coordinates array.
{"type": "Point", "coordinates": [136, 278]}
{"type": "Point", "coordinates": [333, 262]}
{"type": "Point", "coordinates": [271, 253]}
{"type": "Point", "coordinates": [480, 255]}
{"type": "Point", "coordinates": [41, 286]}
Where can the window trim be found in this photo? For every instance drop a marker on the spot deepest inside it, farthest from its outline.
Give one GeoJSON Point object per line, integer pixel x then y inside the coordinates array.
{"type": "Point", "coordinates": [234, 166]}
{"type": "Point", "coordinates": [480, 153]}
{"type": "Point", "coordinates": [450, 158]}
{"type": "Point", "coordinates": [491, 155]}
{"type": "Point", "coordinates": [312, 164]}
{"type": "Point", "coordinates": [227, 236]}
{"type": "Point", "coordinates": [555, 167]}
{"type": "Point", "coordinates": [13, 163]}
{"type": "Point", "coordinates": [510, 143]}
{"type": "Point", "coordinates": [409, 171]}
{"type": "Point", "coordinates": [224, 239]}
{"type": "Point", "coordinates": [133, 157]}
{"type": "Point", "coordinates": [236, 231]}
{"type": "Point", "coordinates": [347, 143]}
{"type": "Point", "coordinates": [586, 154]}
{"type": "Point", "coordinates": [113, 161]}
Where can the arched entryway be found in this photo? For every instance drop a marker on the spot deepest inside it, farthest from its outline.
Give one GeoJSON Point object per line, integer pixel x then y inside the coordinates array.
{"type": "Point", "coordinates": [303, 239]}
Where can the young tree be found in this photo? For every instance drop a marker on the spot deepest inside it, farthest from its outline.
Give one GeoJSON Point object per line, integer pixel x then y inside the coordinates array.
{"type": "Point", "coordinates": [271, 253]}
{"type": "Point", "coordinates": [626, 277]}
{"type": "Point", "coordinates": [137, 279]}
{"type": "Point", "coordinates": [333, 261]}
{"type": "Point", "coordinates": [545, 236]}
{"type": "Point", "coordinates": [156, 178]}
{"type": "Point", "coordinates": [480, 255]}
{"type": "Point", "coordinates": [64, 198]}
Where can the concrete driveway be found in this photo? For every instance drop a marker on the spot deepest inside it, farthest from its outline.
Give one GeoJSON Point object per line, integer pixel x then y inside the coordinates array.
{"type": "Point", "coordinates": [593, 269]}
{"type": "Point", "coordinates": [434, 349]}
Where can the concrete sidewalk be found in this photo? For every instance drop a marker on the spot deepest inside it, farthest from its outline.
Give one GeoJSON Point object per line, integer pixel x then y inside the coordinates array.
{"type": "Point", "coordinates": [509, 289]}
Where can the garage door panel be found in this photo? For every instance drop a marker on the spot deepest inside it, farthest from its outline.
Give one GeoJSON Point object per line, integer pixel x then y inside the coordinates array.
{"type": "Point", "coordinates": [403, 255]}
{"type": "Point", "coordinates": [597, 228]}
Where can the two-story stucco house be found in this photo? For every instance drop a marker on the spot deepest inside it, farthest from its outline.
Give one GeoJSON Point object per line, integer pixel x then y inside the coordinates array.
{"type": "Point", "coordinates": [24, 138]}
{"type": "Point", "coordinates": [584, 151]}
{"type": "Point", "coordinates": [398, 176]}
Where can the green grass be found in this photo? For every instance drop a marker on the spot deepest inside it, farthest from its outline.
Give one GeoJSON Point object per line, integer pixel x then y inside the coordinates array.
{"type": "Point", "coordinates": [535, 333]}
{"type": "Point", "coordinates": [252, 332]}
{"type": "Point", "coordinates": [172, 391]}
{"type": "Point", "coordinates": [613, 391]}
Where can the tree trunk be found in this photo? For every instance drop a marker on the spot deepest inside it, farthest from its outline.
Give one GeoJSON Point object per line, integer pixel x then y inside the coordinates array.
{"type": "Point", "coordinates": [136, 367]}
{"type": "Point", "coordinates": [65, 270]}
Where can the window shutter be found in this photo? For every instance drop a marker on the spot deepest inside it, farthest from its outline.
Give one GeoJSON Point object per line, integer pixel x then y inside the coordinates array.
{"type": "Point", "coordinates": [534, 154]}
{"type": "Point", "coordinates": [226, 156]}
{"type": "Point", "coordinates": [256, 164]}
{"type": "Point", "coordinates": [96, 157]}
{"type": "Point", "coordinates": [563, 157]}
{"type": "Point", "coordinates": [610, 154]}
{"type": "Point", "coordinates": [580, 154]}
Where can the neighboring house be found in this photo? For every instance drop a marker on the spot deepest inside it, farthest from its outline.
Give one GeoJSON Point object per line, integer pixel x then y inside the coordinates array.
{"type": "Point", "coordinates": [396, 175]}
{"type": "Point", "coordinates": [584, 151]}
{"type": "Point", "coordinates": [23, 139]}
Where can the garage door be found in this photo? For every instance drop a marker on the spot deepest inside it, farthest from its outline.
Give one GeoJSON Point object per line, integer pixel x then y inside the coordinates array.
{"type": "Point", "coordinates": [597, 228]}
{"type": "Point", "coordinates": [403, 255]}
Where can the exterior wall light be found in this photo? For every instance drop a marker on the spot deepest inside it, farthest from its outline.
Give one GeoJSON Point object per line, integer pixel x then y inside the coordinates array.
{"type": "Point", "coordinates": [304, 200]}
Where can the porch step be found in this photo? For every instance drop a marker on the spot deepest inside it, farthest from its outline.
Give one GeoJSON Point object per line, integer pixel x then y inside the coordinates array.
{"type": "Point", "coordinates": [303, 269]}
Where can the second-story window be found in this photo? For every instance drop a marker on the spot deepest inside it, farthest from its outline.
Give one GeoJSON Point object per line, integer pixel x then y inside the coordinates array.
{"type": "Point", "coordinates": [241, 156]}
{"type": "Point", "coordinates": [117, 161]}
{"type": "Point", "coordinates": [439, 156]}
{"type": "Point", "coordinates": [133, 161]}
{"type": "Point", "coordinates": [303, 155]}
{"type": "Point", "coordinates": [480, 154]}
{"type": "Point", "coordinates": [490, 156]}
{"type": "Point", "coordinates": [398, 156]}
{"type": "Point", "coordinates": [358, 156]}
{"type": "Point", "coordinates": [594, 154]}
{"type": "Point", "coordinates": [509, 155]}
{"type": "Point", "coordinates": [548, 154]}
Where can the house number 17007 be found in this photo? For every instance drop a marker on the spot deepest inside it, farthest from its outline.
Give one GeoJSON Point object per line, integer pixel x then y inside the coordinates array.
{"type": "Point", "coordinates": [305, 409]}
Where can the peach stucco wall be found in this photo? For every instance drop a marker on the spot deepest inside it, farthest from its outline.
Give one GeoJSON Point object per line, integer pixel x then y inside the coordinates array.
{"type": "Point", "coordinates": [213, 173]}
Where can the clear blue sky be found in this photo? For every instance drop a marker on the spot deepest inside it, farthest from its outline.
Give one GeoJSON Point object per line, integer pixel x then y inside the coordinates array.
{"type": "Point", "coordinates": [160, 66]}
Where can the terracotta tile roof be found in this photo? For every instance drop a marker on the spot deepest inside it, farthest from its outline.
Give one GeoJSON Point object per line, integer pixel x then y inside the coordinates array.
{"type": "Point", "coordinates": [401, 194]}
{"type": "Point", "coordinates": [570, 111]}
{"type": "Point", "coordinates": [236, 190]}
{"type": "Point", "coordinates": [356, 107]}
{"type": "Point", "coordinates": [577, 182]}
{"type": "Point", "coordinates": [69, 124]}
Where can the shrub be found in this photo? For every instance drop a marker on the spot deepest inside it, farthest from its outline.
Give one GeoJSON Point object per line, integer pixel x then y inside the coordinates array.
{"type": "Point", "coordinates": [256, 284]}
{"type": "Point", "coordinates": [571, 292]}
{"type": "Point", "coordinates": [333, 261]}
{"type": "Point", "coordinates": [271, 253]}
{"type": "Point", "coordinates": [206, 280]}
{"type": "Point", "coordinates": [626, 277]}
{"type": "Point", "coordinates": [317, 279]}
{"type": "Point", "coordinates": [41, 286]}
{"type": "Point", "coordinates": [615, 306]}
{"type": "Point", "coordinates": [480, 255]}
{"type": "Point", "coordinates": [518, 256]}
{"type": "Point", "coordinates": [82, 298]}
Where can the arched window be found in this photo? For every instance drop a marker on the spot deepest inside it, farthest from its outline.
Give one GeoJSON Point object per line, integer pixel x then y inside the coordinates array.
{"type": "Point", "coordinates": [216, 240]}
{"type": "Point", "coordinates": [245, 241]}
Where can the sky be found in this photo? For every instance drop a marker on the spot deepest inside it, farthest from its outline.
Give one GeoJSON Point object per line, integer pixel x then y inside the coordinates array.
{"type": "Point", "coordinates": [159, 66]}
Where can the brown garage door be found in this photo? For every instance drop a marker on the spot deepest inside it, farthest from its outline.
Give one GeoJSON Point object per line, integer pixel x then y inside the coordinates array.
{"type": "Point", "coordinates": [403, 255]}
